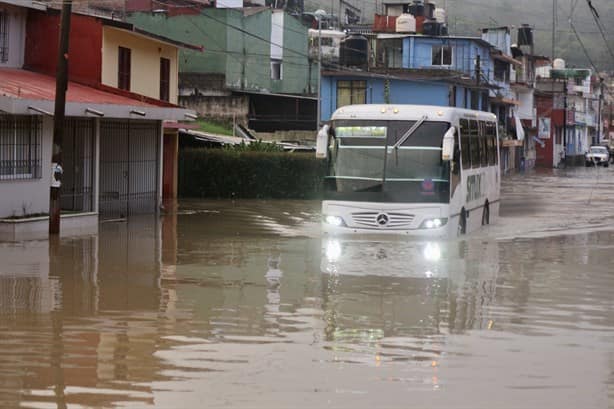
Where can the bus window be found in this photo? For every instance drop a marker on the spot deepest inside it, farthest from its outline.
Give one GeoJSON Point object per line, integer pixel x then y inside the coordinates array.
{"type": "Point", "coordinates": [465, 146]}
{"type": "Point", "coordinates": [475, 143]}
{"type": "Point", "coordinates": [483, 143]}
{"type": "Point", "coordinates": [491, 135]}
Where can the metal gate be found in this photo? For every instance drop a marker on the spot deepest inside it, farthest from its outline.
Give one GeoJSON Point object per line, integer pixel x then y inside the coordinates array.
{"type": "Point", "coordinates": [77, 160]}
{"type": "Point", "coordinates": [129, 168]}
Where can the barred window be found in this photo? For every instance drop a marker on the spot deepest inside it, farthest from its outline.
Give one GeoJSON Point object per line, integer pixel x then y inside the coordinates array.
{"type": "Point", "coordinates": [20, 147]}
{"type": "Point", "coordinates": [4, 36]}
{"type": "Point", "coordinates": [351, 92]}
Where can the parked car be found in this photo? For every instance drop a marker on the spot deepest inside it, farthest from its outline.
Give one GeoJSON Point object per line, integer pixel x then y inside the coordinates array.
{"type": "Point", "coordinates": [609, 144]}
{"type": "Point", "coordinates": [597, 155]}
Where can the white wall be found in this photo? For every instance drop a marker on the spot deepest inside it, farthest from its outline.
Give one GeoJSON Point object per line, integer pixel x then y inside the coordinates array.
{"type": "Point", "coordinates": [525, 109]}
{"type": "Point", "coordinates": [17, 35]}
{"type": "Point", "coordinates": [277, 34]}
{"type": "Point", "coordinates": [30, 194]}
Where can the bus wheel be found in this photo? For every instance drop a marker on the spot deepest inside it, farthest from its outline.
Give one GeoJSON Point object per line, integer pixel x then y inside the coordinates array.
{"type": "Point", "coordinates": [462, 223]}
{"type": "Point", "coordinates": [486, 215]}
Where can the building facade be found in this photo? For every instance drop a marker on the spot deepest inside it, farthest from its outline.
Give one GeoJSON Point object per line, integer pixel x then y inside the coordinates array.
{"type": "Point", "coordinates": [255, 66]}
{"type": "Point", "coordinates": [113, 137]}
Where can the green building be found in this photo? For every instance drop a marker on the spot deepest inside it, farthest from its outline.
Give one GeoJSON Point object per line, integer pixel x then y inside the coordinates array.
{"type": "Point", "coordinates": [254, 66]}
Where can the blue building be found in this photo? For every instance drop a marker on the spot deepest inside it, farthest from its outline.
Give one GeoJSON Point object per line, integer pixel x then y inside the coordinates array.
{"type": "Point", "coordinates": [467, 72]}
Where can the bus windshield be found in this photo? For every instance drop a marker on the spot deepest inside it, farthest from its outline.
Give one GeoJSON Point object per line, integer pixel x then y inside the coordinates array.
{"type": "Point", "coordinates": [366, 164]}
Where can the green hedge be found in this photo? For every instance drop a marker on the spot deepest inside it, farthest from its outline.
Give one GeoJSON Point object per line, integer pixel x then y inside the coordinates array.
{"type": "Point", "coordinates": [223, 174]}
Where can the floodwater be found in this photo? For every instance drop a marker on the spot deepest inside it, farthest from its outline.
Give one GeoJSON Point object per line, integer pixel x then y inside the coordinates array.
{"type": "Point", "coordinates": [244, 305]}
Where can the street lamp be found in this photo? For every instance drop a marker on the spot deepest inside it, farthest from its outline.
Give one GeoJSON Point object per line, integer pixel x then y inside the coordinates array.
{"type": "Point", "coordinates": [319, 14]}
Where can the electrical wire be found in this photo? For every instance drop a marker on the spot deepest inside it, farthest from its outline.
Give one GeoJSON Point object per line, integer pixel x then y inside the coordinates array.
{"type": "Point", "coordinates": [599, 26]}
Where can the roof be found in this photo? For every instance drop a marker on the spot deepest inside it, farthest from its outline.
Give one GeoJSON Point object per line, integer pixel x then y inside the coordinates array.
{"type": "Point", "coordinates": [36, 5]}
{"type": "Point", "coordinates": [415, 74]}
{"type": "Point", "coordinates": [407, 112]}
{"type": "Point", "coordinates": [504, 57]}
{"type": "Point", "coordinates": [477, 40]}
{"type": "Point", "coordinates": [26, 92]}
{"type": "Point", "coordinates": [132, 28]}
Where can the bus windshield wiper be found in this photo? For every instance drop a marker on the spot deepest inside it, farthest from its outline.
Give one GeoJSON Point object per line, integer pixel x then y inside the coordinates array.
{"type": "Point", "coordinates": [409, 132]}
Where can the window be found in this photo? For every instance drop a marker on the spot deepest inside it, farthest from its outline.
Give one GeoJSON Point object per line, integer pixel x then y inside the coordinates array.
{"type": "Point", "coordinates": [4, 36]}
{"type": "Point", "coordinates": [391, 53]}
{"type": "Point", "coordinates": [484, 153]}
{"type": "Point", "coordinates": [20, 147]}
{"type": "Point", "coordinates": [490, 129]}
{"type": "Point", "coordinates": [485, 106]}
{"type": "Point", "coordinates": [351, 92]}
{"type": "Point", "coordinates": [475, 143]}
{"type": "Point", "coordinates": [465, 144]}
{"type": "Point", "coordinates": [442, 55]}
{"type": "Point", "coordinates": [123, 69]}
{"type": "Point", "coordinates": [502, 71]}
{"type": "Point", "coordinates": [276, 70]}
{"type": "Point", "coordinates": [475, 100]}
{"type": "Point", "coordinates": [165, 79]}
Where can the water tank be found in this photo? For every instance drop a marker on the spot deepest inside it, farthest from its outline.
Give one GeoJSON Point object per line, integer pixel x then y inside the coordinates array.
{"type": "Point", "coordinates": [406, 23]}
{"type": "Point", "coordinates": [417, 9]}
{"type": "Point", "coordinates": [354, 51]}
{"type": "Point", "coordinates": [440, 15]}
{"type": "Point", "coordinates": [429, 10]}
{"type": "Point", "coordinates": [525, 35]}
{"type": "Point", "coordinates": [559, 64]}
{"type": "Point", "coordinates": [432, 28]}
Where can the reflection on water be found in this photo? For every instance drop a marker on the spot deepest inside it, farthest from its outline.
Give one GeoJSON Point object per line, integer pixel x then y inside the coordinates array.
{"type": "Point", "coordinates": [211, 306]}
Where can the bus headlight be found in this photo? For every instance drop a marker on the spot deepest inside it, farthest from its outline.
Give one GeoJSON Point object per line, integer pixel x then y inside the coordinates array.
{"type": "Point", "coordinates": [434, 223]}
{"type": "Point", "coordinates": [334, 220]}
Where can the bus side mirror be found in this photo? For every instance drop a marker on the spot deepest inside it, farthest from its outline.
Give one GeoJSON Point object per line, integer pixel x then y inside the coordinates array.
{"type": "Point", "coordinates": [447, 147]}
{"type": "Point", "coordinates": [322, 142]}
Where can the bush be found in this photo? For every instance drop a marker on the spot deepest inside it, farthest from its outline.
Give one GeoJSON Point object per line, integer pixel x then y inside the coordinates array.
{"type": "Point", "coordinates": [224, 174]}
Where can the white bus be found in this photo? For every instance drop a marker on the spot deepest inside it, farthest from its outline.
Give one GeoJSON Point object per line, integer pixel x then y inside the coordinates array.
{"type": "Point", "coordinates": [410, 169]}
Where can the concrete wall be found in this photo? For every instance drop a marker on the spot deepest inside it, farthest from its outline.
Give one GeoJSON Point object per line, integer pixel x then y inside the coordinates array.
{"type": "Point", "coordinates": [464, 53]}
{"type": "Point", "coordinates": [306, 137]}
{"type": "Point", "coordinates": [144, 65]}
{"type": "Point", "coordinates": [222, 108]}
{"type": "Point", "coordinates": [17, 35]}
{"type": "Point", "coordinates": [193, 29]}
{"type": "Point", "coordinates": [84, 50]}
{"type": "Point", "coordinates": [30, 196]}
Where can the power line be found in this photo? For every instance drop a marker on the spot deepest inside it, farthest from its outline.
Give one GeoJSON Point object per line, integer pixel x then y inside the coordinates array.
{"type": "Point", "coordinates": [582, 45]}
{"type": "Point", "coordinates": [598, 23]}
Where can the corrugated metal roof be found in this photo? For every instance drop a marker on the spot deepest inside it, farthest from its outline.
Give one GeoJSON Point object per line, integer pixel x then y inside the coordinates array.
{"type": "Point", "coordinates": [28, 93]}
{"type": "Point", "coordinates": [31, 85]}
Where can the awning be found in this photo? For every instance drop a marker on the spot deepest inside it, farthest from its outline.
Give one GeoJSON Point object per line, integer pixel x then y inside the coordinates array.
{"type": "Point", "coordinates": [29, 93]}
{"type": "Point", "coordinates": [504, 101]}
{"type": "Point", "coordinates": [504, 57]}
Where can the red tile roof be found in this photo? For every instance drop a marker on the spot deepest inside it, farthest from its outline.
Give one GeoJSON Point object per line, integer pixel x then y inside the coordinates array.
{"type": "Point", "coordinates": [24, 84]}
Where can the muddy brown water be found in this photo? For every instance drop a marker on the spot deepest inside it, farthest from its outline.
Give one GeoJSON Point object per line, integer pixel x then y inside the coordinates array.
{"type": "Point", "coordinates": [244, 305]}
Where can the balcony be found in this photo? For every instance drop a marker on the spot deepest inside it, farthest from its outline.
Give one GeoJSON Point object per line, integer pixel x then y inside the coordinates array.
{"type": "Point", "coordinates": [384, 24]}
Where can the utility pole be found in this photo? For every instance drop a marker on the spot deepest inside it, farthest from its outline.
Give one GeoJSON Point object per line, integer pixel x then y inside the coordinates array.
{"type": "Point", "coordinates": [319, 104]}
{"type": "Point", "coordinates": [600, 121]}
{"type": "Point", "coordinates": [61, 85]}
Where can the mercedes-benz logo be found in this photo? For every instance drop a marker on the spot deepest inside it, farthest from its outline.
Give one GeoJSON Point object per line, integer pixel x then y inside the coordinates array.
{"type": "Point", "coordinates": [382, 219]}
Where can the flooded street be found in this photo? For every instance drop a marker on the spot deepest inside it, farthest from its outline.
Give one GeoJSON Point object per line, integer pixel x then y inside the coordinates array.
{"type": "Point", "coordinates": [245, 305]}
